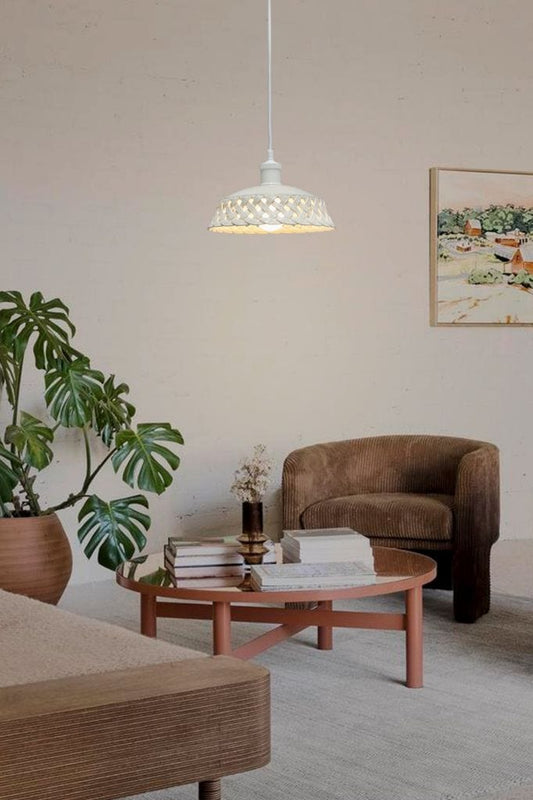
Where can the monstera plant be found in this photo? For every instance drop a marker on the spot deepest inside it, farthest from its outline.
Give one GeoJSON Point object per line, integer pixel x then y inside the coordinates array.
{"type": "Point", "coordinates": [77, 396]}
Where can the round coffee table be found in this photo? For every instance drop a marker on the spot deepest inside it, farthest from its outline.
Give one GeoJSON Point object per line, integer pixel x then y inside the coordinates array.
{"type": "Point", "coordinates": [397, 571]}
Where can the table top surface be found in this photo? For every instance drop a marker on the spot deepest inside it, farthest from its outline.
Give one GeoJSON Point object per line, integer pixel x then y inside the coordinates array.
{"type": "Point", "coordinates": [396, 571]}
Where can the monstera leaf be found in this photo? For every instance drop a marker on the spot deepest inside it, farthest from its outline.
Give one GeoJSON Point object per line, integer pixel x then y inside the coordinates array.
{"type": "Point", "coordinates": [47, 320]}
{"type": "Point", "coordinates": [31, 437]}
{"type": "Point", "coordinates": [115, 528]}
{"type": "Point", "coordinates": [112, 412]}
{"type": "Point", "coordinates": [8, 474]}
{"type": "Point", "coordinates": [144, 458]}
{"type": "Point", "coordinates": [7, 373]}
{"type": "Point", "coordinates": [72, 390]}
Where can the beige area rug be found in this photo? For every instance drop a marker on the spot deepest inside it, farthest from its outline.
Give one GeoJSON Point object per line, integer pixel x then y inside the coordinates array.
{"type": "Point", "coordinates": [344, 727]}
{"type": "Point", "coordinates": [524, 793]}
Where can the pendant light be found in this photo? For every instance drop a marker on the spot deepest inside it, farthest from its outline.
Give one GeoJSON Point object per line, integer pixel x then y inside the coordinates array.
{"type": "Point", "coordinates": [271, 207]}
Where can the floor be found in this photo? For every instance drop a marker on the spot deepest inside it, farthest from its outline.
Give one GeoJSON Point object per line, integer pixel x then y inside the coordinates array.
{"type": "Point", "coordinates": [512, 567]}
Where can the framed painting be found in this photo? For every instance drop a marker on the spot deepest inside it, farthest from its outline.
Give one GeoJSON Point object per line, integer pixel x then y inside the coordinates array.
{"type": "Point", "coordinates": [481, 247]}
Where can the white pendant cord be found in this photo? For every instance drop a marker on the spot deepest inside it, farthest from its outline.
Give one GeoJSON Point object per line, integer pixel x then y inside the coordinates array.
{"type": "Point", "coordinates": [269, 79]}
{"type": "Point", "coordinates": [271, 207]}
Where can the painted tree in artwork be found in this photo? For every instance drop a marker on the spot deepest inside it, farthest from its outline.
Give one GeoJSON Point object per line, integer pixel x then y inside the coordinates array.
{"type": "Point", "coordinates": [527, 220]}
{"type": "Point", "coordinates": [496, 218]}
{"type": "Point", "coordinates": [450, 221]}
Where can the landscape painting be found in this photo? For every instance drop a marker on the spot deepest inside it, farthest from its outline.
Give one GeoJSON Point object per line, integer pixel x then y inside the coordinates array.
{"type": "Point", "coordinates": [481, 247]}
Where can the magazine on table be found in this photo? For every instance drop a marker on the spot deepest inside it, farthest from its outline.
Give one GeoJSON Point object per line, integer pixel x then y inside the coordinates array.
{"type": "Point", "coordinates": [296, 575]}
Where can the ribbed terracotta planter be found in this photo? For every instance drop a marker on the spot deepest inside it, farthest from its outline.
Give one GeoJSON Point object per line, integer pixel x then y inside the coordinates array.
{"type": "Point", "coordinates": [35, 557]}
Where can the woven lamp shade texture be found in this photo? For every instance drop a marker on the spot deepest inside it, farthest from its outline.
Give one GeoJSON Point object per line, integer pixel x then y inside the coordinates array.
{"type": "Point", "coordinates": [271, 209]}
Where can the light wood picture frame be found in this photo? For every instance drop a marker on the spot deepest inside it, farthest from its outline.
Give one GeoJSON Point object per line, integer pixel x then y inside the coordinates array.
{"type": "Point", "coordinates": [481, 247]}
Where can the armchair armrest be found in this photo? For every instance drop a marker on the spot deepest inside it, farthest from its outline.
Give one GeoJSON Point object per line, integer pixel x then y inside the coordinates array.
{"type": "Point", "coordinates": [311, 474]}
{"type": "Point", "coordinates": [477, 499]}
{"type": "Point", "coordinates": [128, 731]}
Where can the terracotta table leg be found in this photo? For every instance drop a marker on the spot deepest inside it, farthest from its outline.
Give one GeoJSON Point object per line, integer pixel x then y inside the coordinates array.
{"type": "Point", "coordinates": [221, 629]}
{"type": "Point", "coordinates": [148, 615]}
{"type": "Point", "coordinates": [414, 640]}
{"type": "Point", "coordinates": [325, 633]}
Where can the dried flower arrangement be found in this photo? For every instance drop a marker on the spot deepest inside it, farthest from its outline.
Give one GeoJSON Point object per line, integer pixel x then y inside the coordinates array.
{"type": "Point", "coordinates": [253, 476]}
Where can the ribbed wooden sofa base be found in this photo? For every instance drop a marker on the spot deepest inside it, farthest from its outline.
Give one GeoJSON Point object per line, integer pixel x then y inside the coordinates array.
{"type": "Point", "coordinates": [113, 734]}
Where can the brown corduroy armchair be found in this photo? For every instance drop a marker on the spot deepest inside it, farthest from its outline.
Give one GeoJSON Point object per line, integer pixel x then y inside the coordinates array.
{"type": "Point", "coordinates": [438, 495]}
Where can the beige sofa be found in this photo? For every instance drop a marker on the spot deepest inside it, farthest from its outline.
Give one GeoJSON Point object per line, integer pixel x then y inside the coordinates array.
{"type": "Point", "coordinates": [91, 710]}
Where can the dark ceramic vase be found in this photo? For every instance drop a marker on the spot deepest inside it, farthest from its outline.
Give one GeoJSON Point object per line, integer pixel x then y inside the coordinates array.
{"type": "Point", "coordinates": [252, 539]}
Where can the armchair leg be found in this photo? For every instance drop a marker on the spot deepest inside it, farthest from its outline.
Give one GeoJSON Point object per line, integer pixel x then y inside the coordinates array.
{"type": "Point", "coordinates": [471, 584]}
{"type": "Point", "coordinates": [209, 790]}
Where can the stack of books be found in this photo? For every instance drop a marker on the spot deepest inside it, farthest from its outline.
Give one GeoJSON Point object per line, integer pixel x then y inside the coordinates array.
{"type": "Point", "coordinates": [284, 577]}
{"type": "Point", "coordinates": [207, 562]}
{"type": "Point", "coordinates": [325, 545]}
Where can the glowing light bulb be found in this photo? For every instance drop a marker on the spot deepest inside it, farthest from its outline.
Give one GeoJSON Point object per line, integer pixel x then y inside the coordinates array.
{"type": "Point", "coordinates": [270, 228]}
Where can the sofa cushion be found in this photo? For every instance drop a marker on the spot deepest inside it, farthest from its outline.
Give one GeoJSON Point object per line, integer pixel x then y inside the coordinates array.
{"type": "Point", "coordinates": [426, 517]}
{"type": "Point", "coordinates": [40, 642]}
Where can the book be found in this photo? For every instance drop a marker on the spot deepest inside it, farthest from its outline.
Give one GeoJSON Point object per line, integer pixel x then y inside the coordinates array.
{"type": "Point", "coordinates": [324, 542]}
{"type": "Point", "coordinates": [209, 563]}
{"type": "Point", "coordinates": [328, 544]}
{"type": "Point", "coordinates": [277, 573]}
{"type": "Point", "coordinates": [184, 547]}
{"type": "Point", "coordinates": [269, 577]}
{"type": "Point", "coordinates": [325, 537]}
{"type": "Point", "coordinates": [228, 546]}
{"type": "Point", "coordinates": [330, 533]}
{"type": "Point", "coordinates": [330, 554]}
{"type": "Point", "coordinates": [203, 560]}
{"type": "Point", "coordinates": [213, 560]}
{"type": "Point", "coordinates": [206, 583]}
{"type": "Point", "coordinates": [312, 585]}
{"type": "Point", "coordinates": [214, 539]}
{"type": "Point", "coordinates": [205, 571]}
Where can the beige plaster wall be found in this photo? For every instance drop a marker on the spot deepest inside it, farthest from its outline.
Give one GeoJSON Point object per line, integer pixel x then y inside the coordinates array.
{"type": "Point", "coordinates": [124, 121]}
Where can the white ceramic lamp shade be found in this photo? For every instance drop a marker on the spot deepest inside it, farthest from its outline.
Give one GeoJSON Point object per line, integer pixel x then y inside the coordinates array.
{"type": "Point", "coordinates": [271, 207]}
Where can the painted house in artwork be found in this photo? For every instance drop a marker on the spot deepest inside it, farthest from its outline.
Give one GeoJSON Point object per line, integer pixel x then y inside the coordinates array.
{"type": "Point", "coordinates": [512, 238]}
{"type": "Point", "coordinates": [523, 259]}
{"type": "Point", "coordinates": [506, 255]}
{"type": "Point", "coordinates": [518, 234]}
{"type": "Point", "coordinates": [508, 241]}
{"type": "Point", "coordinates": [473, 227]}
